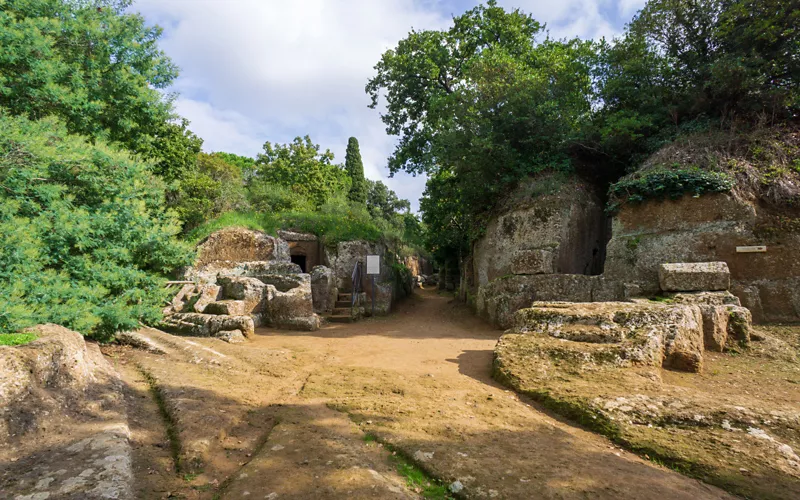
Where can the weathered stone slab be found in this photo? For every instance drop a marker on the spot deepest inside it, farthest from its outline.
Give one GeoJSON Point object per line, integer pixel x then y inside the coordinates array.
{"type": "Point", "coordinates": [207, 294]}
{"type": "Point", "coordinates": [207, 325]}
{"type": "Point", "coordinates": [694, 277]}
{"type": "Point", "coordinates": [647, 334]}
{"type": "Point", "coordinates": [228, 308]}
{"type": "Point", "coordinates": [537, 261]}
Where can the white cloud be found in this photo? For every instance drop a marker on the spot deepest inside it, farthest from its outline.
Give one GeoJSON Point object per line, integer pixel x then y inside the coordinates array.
{"type": "Point", "coordinates": [258, 70]}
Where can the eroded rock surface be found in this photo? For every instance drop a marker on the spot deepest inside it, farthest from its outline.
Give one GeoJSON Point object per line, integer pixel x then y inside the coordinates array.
{"type": "Point", "coordinates": [63, 426]}
{"type": "Point", "coordinates": [694, 277]}
{"type": "Point", "coordinates": [616, 333]}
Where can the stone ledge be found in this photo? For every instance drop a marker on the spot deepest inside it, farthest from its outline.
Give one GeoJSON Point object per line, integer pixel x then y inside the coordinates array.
{"type": "Point", "coordinates": [694, 277]}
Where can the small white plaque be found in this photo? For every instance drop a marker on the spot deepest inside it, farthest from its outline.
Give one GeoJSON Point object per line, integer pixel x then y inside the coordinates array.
{"type": "Point", "coordinates": [373, 264]}
{"type": "Point", "coordinates": [755, 249]}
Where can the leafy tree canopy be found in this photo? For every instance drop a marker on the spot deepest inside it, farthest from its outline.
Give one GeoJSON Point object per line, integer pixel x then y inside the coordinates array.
{"type": "Point", "coordinates": [301, 167]}
{"type": "Point", "coordinates": [86, 241]}
{"type": "Point", "coordinates": [99, 69]}
{"type": "Point", "coordinates": [383, 203]}
{"type": "Point", "coordinates": [480, 106]}
{"type": "Point", "coordinates": [210, 189]}
{"type": "Point", "coordinates": [684, 64]}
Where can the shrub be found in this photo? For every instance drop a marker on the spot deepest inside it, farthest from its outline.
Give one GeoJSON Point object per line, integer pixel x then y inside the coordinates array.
{"type": "Point", "coordinates": [86, 240]}
{"type": "Point", "coordinates": [269, 197]}
{"type": "Point", "coordinates": [665, 183]}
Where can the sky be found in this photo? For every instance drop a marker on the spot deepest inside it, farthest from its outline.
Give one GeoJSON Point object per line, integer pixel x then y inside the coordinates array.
{"type": "Point", "coordinates": [253, 71]}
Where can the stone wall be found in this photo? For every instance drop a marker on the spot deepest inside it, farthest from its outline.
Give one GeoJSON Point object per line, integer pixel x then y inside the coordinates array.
{"type": "Point", "coordinates": [709, 228]}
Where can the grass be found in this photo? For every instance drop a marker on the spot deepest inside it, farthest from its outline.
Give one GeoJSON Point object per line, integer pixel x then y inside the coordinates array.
{"type": "Point", "coordinates": [169, 421]}
{"type": "Point", "coordinates": [331, 227]}
{"type": "Point", "coordinates": [416, 477]}
{"type": "Point", "coordinates": [13, 339]}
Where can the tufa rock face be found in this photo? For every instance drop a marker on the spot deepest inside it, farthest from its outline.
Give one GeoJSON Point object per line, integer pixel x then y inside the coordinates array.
{"type": "Point", "coordinates": [694, 277]}
{"type": "Point", "coordinates": [240, 245]}
{"type": "Point", "coordinates": [709, 228]}
{"type": "Point", "coordinates": [561, 230]}
{"type": "Point", "coordinates": [57, 359]}
{"type": "Point", "coordinates": [497, 301]}
{"type": "Point", "coordinates": [323, 289]}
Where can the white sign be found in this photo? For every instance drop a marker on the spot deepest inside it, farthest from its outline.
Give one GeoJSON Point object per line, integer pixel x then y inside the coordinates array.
{"type": "Point", "coordinates": [373, 264]}
{"type": "Point", "coordinates": [756, 249]}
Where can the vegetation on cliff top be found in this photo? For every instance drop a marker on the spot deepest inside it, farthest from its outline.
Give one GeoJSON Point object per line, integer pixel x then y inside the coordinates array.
{"type": "Point", "coordinates": [492, 100]}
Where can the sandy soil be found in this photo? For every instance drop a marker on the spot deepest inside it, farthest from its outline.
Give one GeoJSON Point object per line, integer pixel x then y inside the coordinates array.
{"type": "Point", "coordinates": [286, 414]}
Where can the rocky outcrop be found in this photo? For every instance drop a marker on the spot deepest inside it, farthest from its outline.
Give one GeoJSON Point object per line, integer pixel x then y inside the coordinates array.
{"type": "Point", "coordinates": [234, 293]}
{"type": "Point", "coordinates": [63, 426]}
{"type": "Point", "coordinates": [228, 249]}
{"type": "Point", "coordinates": [617, 333]}
{"type": "Point", "coordinates": [342, 259]}
{"type": "Point", "coordinates": [323, 289]}
{"type": "Point", "coordinates": [549, 225]}
{"type": "Point", "coordinates": [710, 228]}
{"type": "Point", "coordinates": [234, 245]}
{"type": "Point", "coordinates": [207, 325]}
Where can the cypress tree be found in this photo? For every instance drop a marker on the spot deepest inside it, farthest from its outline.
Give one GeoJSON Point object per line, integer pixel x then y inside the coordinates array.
{"type": "Point", "coordinates": [355, 169]}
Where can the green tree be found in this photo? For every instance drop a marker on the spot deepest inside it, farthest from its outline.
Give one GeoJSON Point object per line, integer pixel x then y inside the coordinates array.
{"type": "Point", "coordinates": [684, 65]}
{"type": "Point", "coordinates": [212, 188]}
{"type": "Point", "coordinates": [173, 149]}
{"type": "Point", "coordinates": [91, 63]}
{"type": "Point", "coordinates": [301, 167]}
{"type": "Point", "coordinates": [446, 222]}
{"type": "Point", "coordinates": [86, 239]}
{"type": "Point", "coordinates": [480, 106]}
{"type": "Point", "coordinates": [245, 164]}
{"type": "Point", "coordinates": [383, 203]}
{"type": "Point", "coordinates": [355, 170]}
{"type": "Point", "coordinates": [421, 78]}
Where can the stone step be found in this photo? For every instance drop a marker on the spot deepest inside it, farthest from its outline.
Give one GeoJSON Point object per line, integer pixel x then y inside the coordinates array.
{"type": "Point", "coordinates": [341, 310]}
{"type": "Point", "coordinates": [345, 297]}
{"type": "Point", "coordinates": [343, 303]}
{"type": "Point", "coordinates": [342, 318]}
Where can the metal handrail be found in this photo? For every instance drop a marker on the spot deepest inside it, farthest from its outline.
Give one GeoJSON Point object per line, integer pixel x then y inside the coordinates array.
{"type": "Point", "coordinates": [356, 284]}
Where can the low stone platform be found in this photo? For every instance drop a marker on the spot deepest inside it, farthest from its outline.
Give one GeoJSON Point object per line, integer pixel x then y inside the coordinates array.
{"type": "Point", "coordinates": [673, 334]}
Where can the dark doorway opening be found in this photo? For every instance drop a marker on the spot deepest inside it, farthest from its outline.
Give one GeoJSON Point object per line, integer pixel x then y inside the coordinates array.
{"type": "Point", "coordinates": [300, 260]}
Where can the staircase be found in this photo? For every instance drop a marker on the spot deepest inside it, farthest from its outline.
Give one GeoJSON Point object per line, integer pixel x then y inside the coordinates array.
{"type": "Point", "coordinates": [343, 312]}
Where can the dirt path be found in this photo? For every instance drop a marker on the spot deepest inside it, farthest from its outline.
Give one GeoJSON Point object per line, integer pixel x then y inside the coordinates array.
{"type": "Point", "coordinates": [297, 407]}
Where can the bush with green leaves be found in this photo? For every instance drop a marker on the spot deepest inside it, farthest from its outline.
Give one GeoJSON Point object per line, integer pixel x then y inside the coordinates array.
{"type": "Point", "coordinates": [270, 198]}
{"type": "Point", "coordinates": [86, 239]}
{"type": "Point", "coordinates": [663, 183]}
